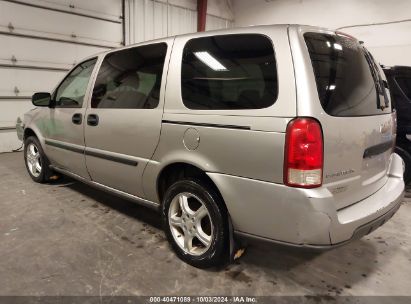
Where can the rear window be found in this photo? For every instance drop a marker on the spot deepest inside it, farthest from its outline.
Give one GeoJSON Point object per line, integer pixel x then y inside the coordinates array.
{"type": "Point", "coordinates": [348, 80]}
{"type": "Point", "coordinates": [229, 72]}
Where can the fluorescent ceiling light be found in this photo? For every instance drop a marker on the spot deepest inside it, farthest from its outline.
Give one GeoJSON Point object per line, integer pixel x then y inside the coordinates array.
{"type": "Point", "coordinates": [338, 46]}
{"type": "Point", "coordinates": [328, 44]}
{"type": "Point", "coordinates": [210, 61]}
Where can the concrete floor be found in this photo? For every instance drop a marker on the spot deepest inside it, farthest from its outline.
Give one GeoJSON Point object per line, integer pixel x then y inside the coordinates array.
{"type": "Point", "coordinates": [69, 239]}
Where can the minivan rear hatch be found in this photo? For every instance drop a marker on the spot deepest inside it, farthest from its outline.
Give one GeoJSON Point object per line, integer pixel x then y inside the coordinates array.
{"type": "Point", "coordinates": [357, 122]}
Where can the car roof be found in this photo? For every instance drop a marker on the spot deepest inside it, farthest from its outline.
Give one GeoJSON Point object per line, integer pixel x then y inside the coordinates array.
{"type": "Point", "coordinates": [235, 30]}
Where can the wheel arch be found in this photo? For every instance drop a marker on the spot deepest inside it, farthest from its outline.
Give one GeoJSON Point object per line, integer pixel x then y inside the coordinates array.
{"type": "Point", "coordinates": [178, 170]}
{"type": "Point", "coordinates": [29, 132]}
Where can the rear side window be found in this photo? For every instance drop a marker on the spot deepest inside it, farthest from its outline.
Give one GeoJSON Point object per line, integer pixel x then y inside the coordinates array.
{"type": "Point", "coordinates": [130, 78]}
{"type": "Point", "coordinates": [348, 80]}
{"type": "Point", "coordinates": [229, 72]}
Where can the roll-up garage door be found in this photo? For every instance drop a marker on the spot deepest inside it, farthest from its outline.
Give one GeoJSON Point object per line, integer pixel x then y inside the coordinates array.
{"type": "Point", "coordinates": [40, 41]}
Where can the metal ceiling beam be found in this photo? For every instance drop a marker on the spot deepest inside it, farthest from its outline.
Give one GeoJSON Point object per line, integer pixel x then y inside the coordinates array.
{"type": "Point", "coordinates": [123, 17]}
{"type": "Point", "coordinates": [201, 15]}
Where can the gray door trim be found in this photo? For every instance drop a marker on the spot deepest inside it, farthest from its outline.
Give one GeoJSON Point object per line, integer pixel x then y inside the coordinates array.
{"type": "Point", "coordinates": [83, 150]}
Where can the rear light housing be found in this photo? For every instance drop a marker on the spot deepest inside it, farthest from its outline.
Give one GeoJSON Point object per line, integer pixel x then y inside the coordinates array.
{"type": "Point", "coordinates": [303, 155]}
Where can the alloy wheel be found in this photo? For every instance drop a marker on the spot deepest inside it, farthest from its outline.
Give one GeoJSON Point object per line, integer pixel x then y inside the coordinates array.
{"type": "Point", "coordinates": [33, 160]}
{"type": "Point", "coordinates": [190, 223]}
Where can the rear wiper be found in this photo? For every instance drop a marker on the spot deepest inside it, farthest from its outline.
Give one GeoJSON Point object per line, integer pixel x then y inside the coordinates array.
{"type": "Point", "coordinates": [379, 82]}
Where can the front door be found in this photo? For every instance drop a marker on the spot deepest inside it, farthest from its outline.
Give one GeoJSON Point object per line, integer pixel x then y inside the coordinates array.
{"type": "Point", "coordinates": [123, 120]}
{"type": "Point", "coordinates": [64, 129]}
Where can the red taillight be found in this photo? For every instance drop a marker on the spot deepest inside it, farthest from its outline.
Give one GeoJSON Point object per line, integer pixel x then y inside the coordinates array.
{"type": "Point", "coordinates": [303, 158]}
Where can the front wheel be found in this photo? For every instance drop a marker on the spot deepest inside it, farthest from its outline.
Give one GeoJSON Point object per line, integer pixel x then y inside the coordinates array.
{"type": "Point", "coordinates": [195, 222]}
{"type": "Point", "coordinates": [35, 160]}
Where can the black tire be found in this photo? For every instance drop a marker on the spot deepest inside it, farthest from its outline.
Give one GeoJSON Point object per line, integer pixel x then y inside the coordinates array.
{"type": "Point", "coordinates": [407, 162]}
{"type": "Point", "coordinates": [218, 252]}
{"type": "Point", "coordinates": [45, 171]}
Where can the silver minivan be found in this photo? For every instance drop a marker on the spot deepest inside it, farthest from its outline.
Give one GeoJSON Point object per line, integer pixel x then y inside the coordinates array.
{"type": "Point", "coordinates": [283, 133]}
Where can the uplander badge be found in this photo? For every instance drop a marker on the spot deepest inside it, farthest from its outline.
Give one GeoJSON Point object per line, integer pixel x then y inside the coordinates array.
{"type": "Point", "coordinates": [340, 173]}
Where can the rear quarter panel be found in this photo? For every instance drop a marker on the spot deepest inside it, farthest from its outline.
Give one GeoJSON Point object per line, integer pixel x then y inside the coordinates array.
{"type": "Point", "coordinates": [247, 143]}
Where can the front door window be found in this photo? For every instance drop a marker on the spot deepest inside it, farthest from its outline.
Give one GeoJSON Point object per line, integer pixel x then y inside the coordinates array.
{"type": "Point", "coordinates": [71, 91]}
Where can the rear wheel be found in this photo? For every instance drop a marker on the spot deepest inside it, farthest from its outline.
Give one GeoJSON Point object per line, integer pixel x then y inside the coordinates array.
{"type": "Point", "coordinates": [195, 221]}
{"type": "Point", "coordinates": [36, 161]}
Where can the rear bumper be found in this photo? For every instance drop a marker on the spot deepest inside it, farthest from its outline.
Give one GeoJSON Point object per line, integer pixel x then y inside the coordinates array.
{"type": "Point", "coordinates": [306, 217]}
{"type": "Point", "coordinates": [357, 234]}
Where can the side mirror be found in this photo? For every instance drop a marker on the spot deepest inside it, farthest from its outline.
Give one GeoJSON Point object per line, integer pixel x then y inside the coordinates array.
{"type": "Point", "coordinates": [41, 99]}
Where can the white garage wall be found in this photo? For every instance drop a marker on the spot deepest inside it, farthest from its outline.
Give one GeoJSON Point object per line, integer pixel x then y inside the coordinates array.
{"type": "Point", "coordinates": [151, 19]}
{"type": "Point", "coordinates": [390, 43]}
{"type": "Point", "coordinates": [40, 41]}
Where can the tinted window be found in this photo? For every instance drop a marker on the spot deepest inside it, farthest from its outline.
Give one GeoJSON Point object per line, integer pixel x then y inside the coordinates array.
{"type": "Point", "coordinates": [348, 80]}
{"type": "Point", "coordinates": [229, 72]}
{"type": "Point", "coordinates": [70, 93]}
{"type": "Point", "coordinates": [405, 84]}
{"type": "Point", "coordinates": [398, 78]}
{"type": "Point", "coordinates": [131, 78]}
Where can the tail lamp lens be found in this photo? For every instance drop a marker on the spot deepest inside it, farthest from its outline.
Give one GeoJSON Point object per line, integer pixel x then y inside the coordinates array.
{"type": "Point", "coordinates": [303, 159]}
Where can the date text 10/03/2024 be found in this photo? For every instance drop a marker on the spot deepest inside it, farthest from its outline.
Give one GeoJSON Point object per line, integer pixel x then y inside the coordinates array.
{"type": "Point", "coordinates": [204, 299]}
